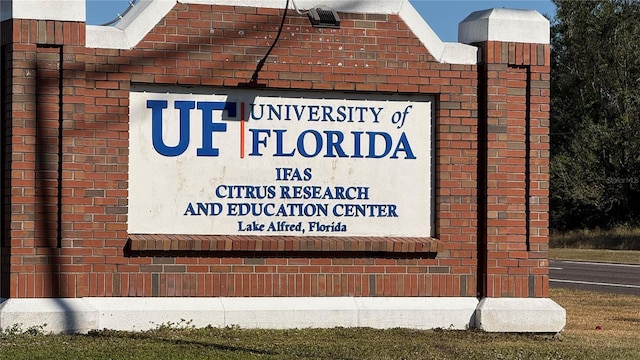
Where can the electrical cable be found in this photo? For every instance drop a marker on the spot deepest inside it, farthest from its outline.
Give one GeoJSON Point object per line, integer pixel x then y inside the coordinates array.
{"type": "Point", "coordinates": [296, 8]}
{"type": "Point", "coordinates": [254, 78]}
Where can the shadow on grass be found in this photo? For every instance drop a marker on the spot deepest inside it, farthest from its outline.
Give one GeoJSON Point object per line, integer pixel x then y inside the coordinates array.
{"type": "Point", "coordinates": [180, 338]}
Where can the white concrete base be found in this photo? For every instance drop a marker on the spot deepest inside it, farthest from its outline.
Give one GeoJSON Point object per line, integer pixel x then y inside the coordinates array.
{"type": "Point", "coordinates": [416, 313]}
{"type": "Point", "coordinates": [138, 314]}
{"type": "Point", "coordinates": [55, 315]}
{"type": "Point", "coordinates": [520, 315]}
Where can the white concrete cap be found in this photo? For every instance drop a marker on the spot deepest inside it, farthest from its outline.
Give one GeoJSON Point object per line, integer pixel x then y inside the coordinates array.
{"type": "Point", "coordinates": [541, 315]}
{"type": "Point", "coordinates": [63, 10]}
{"type": "Point", "coordinates": [508, 25]}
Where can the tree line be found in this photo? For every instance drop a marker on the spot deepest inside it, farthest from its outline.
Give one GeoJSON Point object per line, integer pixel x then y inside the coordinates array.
{"type": "Point", "coordinates": [595, 114]}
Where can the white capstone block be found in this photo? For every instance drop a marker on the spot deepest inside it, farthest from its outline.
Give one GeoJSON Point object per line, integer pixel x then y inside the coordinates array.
{"type": "Point", "coordinates": [106, 37]}
{"type": "Point", "coordinates": [62, 10]}
{"type": "Point", "coordinates": [290, 313]}
{"type": "Point", "coordinates": [417, 312]}
{"type": "Point", "coordinates": [58, 315]}
{"type": "Point", "coordinates": [139, 314]}
{"type": "Point", "coordinates": [508, 25]}
{"type": "Point", "coordinates": [540, 315]}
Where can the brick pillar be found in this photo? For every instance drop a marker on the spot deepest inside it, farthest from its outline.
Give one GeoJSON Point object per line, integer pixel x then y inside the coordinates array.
{"type": "Point", "coordinates": [514, 68]}
{"type": "Point", "coordinates": [514, 149]}
{"type": "Point", "coordinates": [515, 161]}
{"type": "Point", "coordinates": [38, 80]}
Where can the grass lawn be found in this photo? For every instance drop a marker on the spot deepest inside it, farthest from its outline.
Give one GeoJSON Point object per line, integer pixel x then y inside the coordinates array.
{"type": "Point", "coordinates": [617, 315]}
{"type": "Point", "coordinates": [615, 256]}
{"type": "Point", "coordinates": [620, 238]}
{"type": "Point", "coordinates": [621, 245]}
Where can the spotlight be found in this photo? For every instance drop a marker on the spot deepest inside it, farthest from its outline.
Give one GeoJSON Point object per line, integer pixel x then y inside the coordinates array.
{"type": "Point", "coordinates": [324, 18]}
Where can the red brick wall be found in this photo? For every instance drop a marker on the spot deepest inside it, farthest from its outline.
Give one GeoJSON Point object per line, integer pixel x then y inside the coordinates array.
{"type": "Point", "coordinates": [516, 143]}
{"type": "Point", "coordinates": [84, 248]}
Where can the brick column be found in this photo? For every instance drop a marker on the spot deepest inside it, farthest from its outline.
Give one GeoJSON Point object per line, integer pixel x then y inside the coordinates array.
{"type": "Point", "coordinates": [514, 68]}
{"type": "Point", "coordinates": [39, 45]}
{"type": "Point", "coordinates": [516, 150]}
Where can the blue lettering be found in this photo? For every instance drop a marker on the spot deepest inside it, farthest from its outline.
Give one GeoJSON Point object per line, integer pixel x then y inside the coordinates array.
{"type": "Point", "coordinates": [342, 116]}
{"type": "Point", "coordinates": [375, 114]}
{"type": "Point", "coordinates": [253, 112]}
{"type": "Point", "coordinates": [361, 110]}
{"type": "Point", "coordinates": [185, 107]}
{"type": "Point", "coordinates": [156, 107]}
{"type": "Point", "coordinates": [287, 109]}
{"type": "Point", "coordinates": [206, 209]}
{"type": "Point", "coordinates": [372, 144]}
{"type": "Point", "coordinates": [279, 143]}
{"type": "Point", "coordinates": [301, 144]}
{"type": "Point", "coordinates": [300, 112]}
{"type": "Point", "coordinates": [357, 144]}
{"type": "Point", "coordinates": [313, 113]}
{"type": "Point", "coordinates": [219, 193]}
{"type": "Point", "coordinates": [209, 127]}
{"type": "Point", "coordinates": [257, 141]}
{"type": "Point", "coordinates": [273, 111]}
{"type": "Point", "coordinates": [365, 210]}
{"type": "Point", "coordinates": [334, 142]}
{"type": "Point", "coordinates": [403, 145]}
{"type": "Point", "coordinates": [190, 211]}
{"type": "Point", "coordinates": [327, 113]}
{"type": "Point", "coordinates": [307, 174]}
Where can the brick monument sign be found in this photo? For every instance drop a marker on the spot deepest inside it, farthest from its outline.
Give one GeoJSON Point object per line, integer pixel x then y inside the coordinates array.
{"type": "Point", "coordinates": [231, 162]}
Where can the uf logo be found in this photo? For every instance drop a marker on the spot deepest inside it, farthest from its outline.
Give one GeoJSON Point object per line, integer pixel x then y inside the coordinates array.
{"type": "Point", "coordinates": [185, 107]}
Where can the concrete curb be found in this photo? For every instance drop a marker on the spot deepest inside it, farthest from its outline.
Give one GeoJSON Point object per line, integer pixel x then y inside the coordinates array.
{"type": "Point", "coordinates": [138, 314]}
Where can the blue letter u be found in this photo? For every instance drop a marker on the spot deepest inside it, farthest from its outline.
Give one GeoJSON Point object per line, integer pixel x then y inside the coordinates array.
{"type": "Point", "coordinates": [156, 107]}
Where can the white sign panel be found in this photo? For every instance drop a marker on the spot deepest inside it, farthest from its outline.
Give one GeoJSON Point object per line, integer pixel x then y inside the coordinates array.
{"type": "Point", "coordinates": [263, 162]}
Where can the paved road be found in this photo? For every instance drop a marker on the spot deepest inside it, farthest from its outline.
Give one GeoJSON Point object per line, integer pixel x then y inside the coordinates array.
{"type": "Point", "coordinates": [603, 277]}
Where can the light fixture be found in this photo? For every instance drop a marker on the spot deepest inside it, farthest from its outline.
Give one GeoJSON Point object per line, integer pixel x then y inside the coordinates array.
{"type": "Point", "coordinates": [323, 18]}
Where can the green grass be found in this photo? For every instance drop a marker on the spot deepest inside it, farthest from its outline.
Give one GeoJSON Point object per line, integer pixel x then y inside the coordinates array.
{"type": "Point", "coordinates": [616, 314]}
{"type": "Point", "coordinates": [621, 245]}
{"type": "Point", "coordinates": [620, 238]}
{"type": "Point", "coordinates": [615, 256]}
